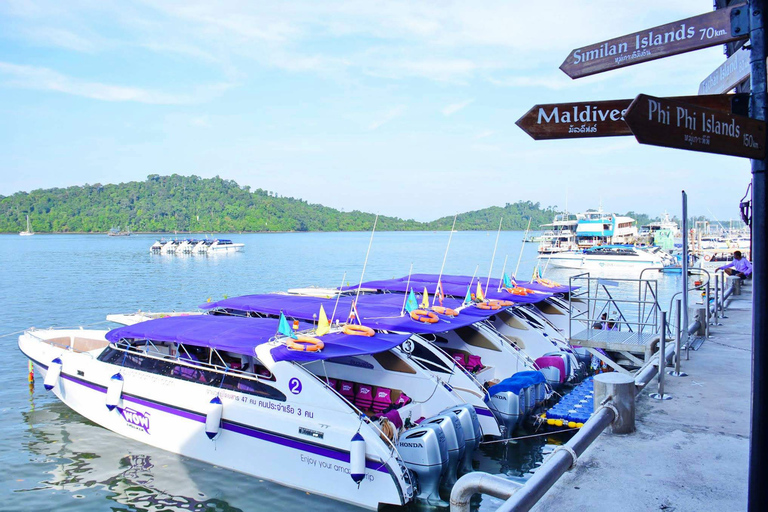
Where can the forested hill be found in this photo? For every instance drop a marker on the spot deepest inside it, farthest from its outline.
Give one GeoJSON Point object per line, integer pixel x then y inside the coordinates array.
{"type": "Point", "coordinates": [215, 205]}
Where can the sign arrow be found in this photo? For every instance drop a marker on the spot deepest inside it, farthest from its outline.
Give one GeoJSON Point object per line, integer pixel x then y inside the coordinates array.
{"type": "Point", "coordinates": [675, 124]}
{"type": "Point", "coordinates": [702, 31]}
{"type": "Point", "coordinates": [605, 118]}
{"type": "Point", "coordinates": [731, 73]}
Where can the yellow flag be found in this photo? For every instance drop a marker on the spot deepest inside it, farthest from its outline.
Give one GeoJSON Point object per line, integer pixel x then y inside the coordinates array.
{"type": "Point", "coordinates": [424, 300]}
{"type": "Point", "coordinates": [479, 293]}
{"type": "Point", "coordinates": [323, 326]}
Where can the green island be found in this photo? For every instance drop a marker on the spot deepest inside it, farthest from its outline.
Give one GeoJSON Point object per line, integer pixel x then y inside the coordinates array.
{"type": "Point", "coordinates": [166, 204]}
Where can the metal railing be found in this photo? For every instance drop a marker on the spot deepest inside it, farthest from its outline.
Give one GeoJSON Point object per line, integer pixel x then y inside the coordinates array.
{"type": "Point", "coordinates": [520, 498]}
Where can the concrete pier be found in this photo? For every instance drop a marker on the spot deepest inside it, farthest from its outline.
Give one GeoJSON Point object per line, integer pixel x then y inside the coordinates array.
{"type": "Point", "coordinates": [688, 453]}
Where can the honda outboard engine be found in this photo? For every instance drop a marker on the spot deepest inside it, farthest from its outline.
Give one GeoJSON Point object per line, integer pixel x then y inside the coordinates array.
{"type": "Point", "coordinates": [424, 451]}
{"type": "Point", "coordinates": [507, 401]}
{"type": "Point", "coordinates": [454, 436]}
{"type": "Point", "coordinates": [473, 434]}
{"type": "Point", "coordinates": [554, 369]}
{"type": "Point", "coordinates": [534, 386]}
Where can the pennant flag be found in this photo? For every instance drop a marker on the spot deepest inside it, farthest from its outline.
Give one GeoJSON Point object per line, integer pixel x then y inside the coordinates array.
{"type": "Point", "coordinates": [508, 282]}
{"type": "Point", "coordinates": [424, 300]}
{"type": "Point", "coordinates": [536, 275]}
{"type": "Point", "coordinates": [439, 292]}
{"type": "Point", "coordinates": [284, 328]}
{"type": "Point", "coordinates": [479, 293]}
{"type": "Point", "coordinates": [411, 304]}
{"type": "Point", "coordinates": [468, 298]}
{"type": "Point", "coordinates": [323, 326]}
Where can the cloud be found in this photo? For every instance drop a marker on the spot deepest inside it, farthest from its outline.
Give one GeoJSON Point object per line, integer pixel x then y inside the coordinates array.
{"type": "Point", "coordinates": [484, 134]}
{"type": "Point", "coordinates": [391, 114]}
{"type": "Point", "coordinates": [44, 79]}
{"type": "Point", "coordinates": [451, 109]}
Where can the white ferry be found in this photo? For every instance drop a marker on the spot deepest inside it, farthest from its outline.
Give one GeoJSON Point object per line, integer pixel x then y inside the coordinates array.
{"type": "Point", "coordinates": [603, 256]}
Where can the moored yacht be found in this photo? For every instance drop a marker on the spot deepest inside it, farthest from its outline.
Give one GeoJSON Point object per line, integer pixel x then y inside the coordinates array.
{"type": "Point", "coordinates": [221, 245]}
{"type": "Point", "coordinates": [602, 256]}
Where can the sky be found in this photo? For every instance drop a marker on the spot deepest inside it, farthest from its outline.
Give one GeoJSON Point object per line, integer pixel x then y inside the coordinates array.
{"type": "Point", "coordinates": [403, 108]}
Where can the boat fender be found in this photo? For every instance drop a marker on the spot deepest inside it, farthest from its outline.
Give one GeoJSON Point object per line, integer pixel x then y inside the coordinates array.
{"type": "Point", "coordinates": [357, 458]}
{"type": "Point", "coordinates": [52, 376]}
{"type": "Point", "coordinates": [114, 391]}
{"type": "Point", "coordinates": [213, 418]}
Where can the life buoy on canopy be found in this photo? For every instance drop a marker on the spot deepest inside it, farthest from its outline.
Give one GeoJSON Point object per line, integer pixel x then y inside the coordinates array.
{"type": "Point", "coordinates": [489, 305]}
{"type": "Point", "coordinates": [422, 315]}
{"type": "Point", "coordinates": [503, 303]}
{"type": "Point", "coordinates": [305, 344]}
{"type": "Point", "coordinates": [445, 311]}
{"type": "Point", "coordinates": [707, 257]}
{"type": "Point", "coordinates": [357, 330]}
{"type": "Point", "coordinates": [519, 290]}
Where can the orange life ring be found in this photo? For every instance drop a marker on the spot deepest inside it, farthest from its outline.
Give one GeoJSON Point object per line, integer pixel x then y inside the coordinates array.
{"type": "Point", "coordinates": [422, 315]}
{"type": "Point", "coordinates": [707, 257]}
{"type": "Point", "coordinates": [357, 330]}
{"type": "Point", "coordinates": [305, 344]}
{"type": "Point", "coordinates": [493, 305]}
{"type": "Point", "coordinates": [519, 290]}
{"type": "Point", "coordinates": [504, 303]}
{"type": "Point", "coordinates": [445, 311]}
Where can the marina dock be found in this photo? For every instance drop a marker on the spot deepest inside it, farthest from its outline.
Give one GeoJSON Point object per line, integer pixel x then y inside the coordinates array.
{"type": "Point", "coordinates": [687, 453]}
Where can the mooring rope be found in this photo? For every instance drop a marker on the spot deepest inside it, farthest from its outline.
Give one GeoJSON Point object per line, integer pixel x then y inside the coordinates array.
{"type": "Point", "coordinates": [529, 436]}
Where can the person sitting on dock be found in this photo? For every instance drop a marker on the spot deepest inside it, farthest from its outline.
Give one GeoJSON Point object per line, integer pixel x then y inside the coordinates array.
{"type": "Point", "coordinates": [600, 323]}
{"type": "Point", "coordinates": [740, 266]}
{"type": "Point", "coordinates": [612, 325]}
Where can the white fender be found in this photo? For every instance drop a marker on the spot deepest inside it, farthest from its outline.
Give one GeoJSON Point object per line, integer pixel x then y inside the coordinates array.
{"type": "Point", "coordinates": [114, 391]}
{"type": "Point", "coordinates": [52, 376]}
{"type": "Point", "coordinates": [213, 418]}
{"type": "Point", "coordinates": [357, 458]}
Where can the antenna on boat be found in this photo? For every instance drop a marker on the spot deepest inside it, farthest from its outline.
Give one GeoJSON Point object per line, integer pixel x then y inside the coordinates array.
{"type": "Point", "coordinates": [338, 296]}
{"type": "Point", "coordinates": [487, 281]}
{"type": "Point", "coordinates": [713, 216]}
{"type": "Point", "coordinates": [368, 252]}
{"type": "Point", "coordinates": [445, 256]}
{"type": "Point", "coordinates": [503, 269]}
{"type": "Point", "coordinates": [407, 285]}
{"type": "Point", "coordinates": [522, 247]}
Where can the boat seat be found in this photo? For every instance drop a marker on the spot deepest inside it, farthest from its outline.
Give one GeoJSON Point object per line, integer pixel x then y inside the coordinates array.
{"type": "Point", "coordinates": [459, 358]}
{"type": "Point", "coordinates": [382, 400]}
{"type": "Point", "coordinates": [364, 396]}
{"type": "Point", "coordinates": [474, 364]}
{"type": "Point", "coordinates": [347, 390]}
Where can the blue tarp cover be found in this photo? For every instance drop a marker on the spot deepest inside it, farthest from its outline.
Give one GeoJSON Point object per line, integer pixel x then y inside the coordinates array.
{"type": "Point", "coordinates": [243, 335]}
{"type": "Point", "coordinates": [377, 311]}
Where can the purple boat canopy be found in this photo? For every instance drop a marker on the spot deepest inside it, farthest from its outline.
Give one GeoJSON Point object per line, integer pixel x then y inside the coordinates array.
{"type": "Point", "coordinates": [456, 286]}
{"type": "Point", "coordinates": [378, 311]}
{"type": "Point", "coordinates": [243, 335]}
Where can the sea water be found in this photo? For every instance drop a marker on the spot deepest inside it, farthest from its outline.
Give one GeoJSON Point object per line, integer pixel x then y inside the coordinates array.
{"type": "Point", "coordinates": [54, 459]}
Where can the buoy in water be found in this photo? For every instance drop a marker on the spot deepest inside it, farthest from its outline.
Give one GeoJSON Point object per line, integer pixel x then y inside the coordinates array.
{"type": "Point", "coordinates": [31, 373]}
{"type": "Point", "coordinates": [357, 458]}
{"type": "Point", "coordinates": [114, 391]}
{"type": "Point", "coordinates": [52, 376]}
{"type": "Point", "coordinates": [213, 418]}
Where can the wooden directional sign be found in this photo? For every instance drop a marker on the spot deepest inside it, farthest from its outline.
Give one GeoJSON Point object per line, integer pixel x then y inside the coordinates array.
{"type": "Point", "coordinates": [674, 124]}
{"type": "Point", "coordinates": [731, 73]}
{"type": "Point", "coordinates": [604, 118]}
{"type": "Point", "coordinates": [682, 36]}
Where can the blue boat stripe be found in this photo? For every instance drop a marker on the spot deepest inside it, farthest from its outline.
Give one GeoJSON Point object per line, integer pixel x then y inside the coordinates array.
{"type": "Point", "coordinates": [482, 411]}
{"type": "Point", "coordinates": [239, 428]}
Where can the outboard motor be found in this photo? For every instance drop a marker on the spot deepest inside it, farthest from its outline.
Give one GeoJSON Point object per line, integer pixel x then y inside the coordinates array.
{"type": "Point", "coordinates": [424, 451]}
{"type": "Point", "coordinates": [553, 368]}
{"type": "Point", "coordinates": [454, 436]}
{"type": "Point", "coordinates": [534, 383]}
{"type": "Point", "coordinates": [507, 401]}
{"type": "Point", "coordinates": [473, 434]}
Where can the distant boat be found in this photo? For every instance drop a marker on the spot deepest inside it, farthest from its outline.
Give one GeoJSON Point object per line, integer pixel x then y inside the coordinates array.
{"type": "Point", "coordinates": [29, 231]}
{"type": "Point", "coordinates": [117, 232]}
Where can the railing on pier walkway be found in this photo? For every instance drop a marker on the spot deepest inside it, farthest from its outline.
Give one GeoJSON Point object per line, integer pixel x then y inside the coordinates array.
{"type": "Point", "coordinates": [521, 498]}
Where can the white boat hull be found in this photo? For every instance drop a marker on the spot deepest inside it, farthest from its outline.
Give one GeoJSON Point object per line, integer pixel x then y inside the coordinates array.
{"type": "Point", "coordinates": [170, 414]}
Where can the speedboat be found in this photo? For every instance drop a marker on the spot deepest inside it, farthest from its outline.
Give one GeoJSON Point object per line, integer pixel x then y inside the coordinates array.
{"type": "Point", "coordinates": [606, 256]}
{"type": "Point", "coordinates": [170, 247]}
{"type": "Point", "coordinates": [157, 247]}
{"type": "Point", "coordinates": [229, 391]}
{"type": "Point", "coordinates": [222, 246]}
{"type": "Point", "coordinates": [186, 246]}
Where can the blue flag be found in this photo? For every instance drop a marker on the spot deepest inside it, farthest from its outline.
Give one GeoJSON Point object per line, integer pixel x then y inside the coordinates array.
{"type": "Point", "coordinates": [411, 304]}
{"type": "Point", "coordinates": [283, 327]}
{"type": "Point", "coordinates": [468, 298]}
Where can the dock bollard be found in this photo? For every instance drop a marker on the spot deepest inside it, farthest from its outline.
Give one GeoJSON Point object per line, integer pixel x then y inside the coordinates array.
{"type": "Point", "coordinates": [735, 283]}
{"type": "Point", "coordinates": [621, 390]}
{"type": "Point", "coordinates": [678, 340]}
{"type": "Point", "coordinates": [662, 359]}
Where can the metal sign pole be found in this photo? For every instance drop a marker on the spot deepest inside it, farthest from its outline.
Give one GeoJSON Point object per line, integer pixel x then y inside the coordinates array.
{"type": "Point", "coordinates": [758, 473]}
{"type": "Point", "coordinates": [684, 273]}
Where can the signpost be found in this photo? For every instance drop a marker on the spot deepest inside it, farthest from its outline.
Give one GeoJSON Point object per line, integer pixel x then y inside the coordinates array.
{"type": "Point", "coordinates": [730, 74]}
{"type": "Point", "coordinates": [606, 118]}
{"type": "Point", "coordinates": [674, 124]}
{"type": "Point", "coordinates": [702, 31]}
